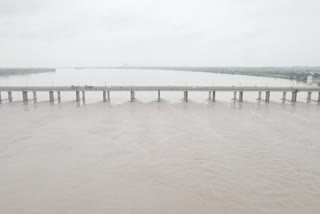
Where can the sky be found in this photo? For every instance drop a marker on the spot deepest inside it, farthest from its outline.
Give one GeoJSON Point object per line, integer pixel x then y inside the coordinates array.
{"type": "Point", "coordinates": [63, 33]}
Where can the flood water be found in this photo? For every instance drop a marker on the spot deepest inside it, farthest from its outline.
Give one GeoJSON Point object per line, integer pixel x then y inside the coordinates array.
{"type": "Point", "coordinates": [149, 157]}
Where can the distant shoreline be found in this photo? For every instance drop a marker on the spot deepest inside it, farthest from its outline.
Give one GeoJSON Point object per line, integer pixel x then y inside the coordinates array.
{"type": "Point", "coordinates": [298, 73]}
{"type": "Point", "coordinates": [24, 71]}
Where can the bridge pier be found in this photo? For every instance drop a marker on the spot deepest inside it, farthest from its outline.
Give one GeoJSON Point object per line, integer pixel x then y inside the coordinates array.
{"type": "Point", "coordinates": [284, 96]}
{"type": "Point", "coordinates": [309, 96]}
{"type": "Point", "coordinates": [159, 96]}
{"type": "Point", "coordinates": [83, 95]}
{"type": "Point", "coordinates": [186, 96]}
{"type": "Point", "coordinates": [59, 96]}
{"type": "Point", "coordinates": [259, 95]}
{"type": "Point", "coordinates": [78, 96]}
{"type": "Point", "coordinates": [0, 97]}
{"type": "Point", "coordinates": [132, 95]}
{"type": "Point", "coordinates": [294, 96]}
{"type": "Point", "coordinates": [267, 96]}
{"type": "Point", "coordinates": [10, 96]}
{"type": "Point", "coordinates": [51, 96]}
{"type": "Point", "coordinates": [25, 96]}
{"type": "Point", "coordinates": [211, 90]}
{"type": "Point", "coordinates": [240, 96]}
{"type": "Point", "coordinates": [213, 96]}
{"type": "Point", "coordinates": [34, 96]}
{"type": "Point", "coordinates": [104, 96]}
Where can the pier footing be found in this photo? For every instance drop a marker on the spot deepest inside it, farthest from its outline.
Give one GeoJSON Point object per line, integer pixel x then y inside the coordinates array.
{"type": "Point", "coordinates": [213, 96]}
{"type": "Point", "coordinates": [25, 96]}
{"type": "Point", "coordinates": [259, 96]}
{"type": "Point", "coordinates": [34, 96]}
{"type": "Point", "coordinates": [159, 98]}
{"type": "Point", "coordinates": [294, 96]}
{"type": "Point", "coordinates": [10, 96]}
{"type": "Point", "coordinates": [132, 96]}
{"type": "Point", "coordinates": [104, 96]}
{"type": "Point", "coordinates": [185, 96]}
{"type": "Point", "coordinates": [284, 96]}
{"type": "Point", "coordinates": [240, 96]}
{"type": "Point", "coordinates": [59, 96]}
{"type": "Point", "coordinates": [51, 96]}
{"type": "Point", "coordinates": [267, 96]}
{"type": "Point", "coordinates": [78, 96]}
{"type": "Point", "coordinates": [309, 96]}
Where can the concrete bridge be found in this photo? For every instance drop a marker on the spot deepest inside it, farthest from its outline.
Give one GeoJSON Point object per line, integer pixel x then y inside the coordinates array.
{"type": "Point", "coordinates": [238, 91]}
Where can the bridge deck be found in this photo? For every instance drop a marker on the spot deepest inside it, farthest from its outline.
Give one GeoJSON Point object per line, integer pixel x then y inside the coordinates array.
{"type": "Point", "coordinates": [157, 88]}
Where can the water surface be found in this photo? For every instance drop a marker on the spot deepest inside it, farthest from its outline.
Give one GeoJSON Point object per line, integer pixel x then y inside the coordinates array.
{"type": "Point", "coordinates": [168, 157]}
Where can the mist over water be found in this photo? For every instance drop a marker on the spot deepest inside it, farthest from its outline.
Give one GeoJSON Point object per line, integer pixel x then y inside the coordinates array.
{"type": "Point", "coordinates": [149, 157]}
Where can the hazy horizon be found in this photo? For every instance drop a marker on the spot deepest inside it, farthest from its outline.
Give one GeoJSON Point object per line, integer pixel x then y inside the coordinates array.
{"type": "Point", "coordinates": [44, 33]}
{"type": "Point", "coordinates": [157, 66]}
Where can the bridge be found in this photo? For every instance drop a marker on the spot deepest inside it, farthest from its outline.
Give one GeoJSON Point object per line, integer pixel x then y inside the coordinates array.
{"type": "Point", "coordinates": [212, 90]}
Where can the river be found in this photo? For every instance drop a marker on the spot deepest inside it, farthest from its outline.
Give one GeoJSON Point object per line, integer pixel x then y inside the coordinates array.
{"type": "Point", "coordinates": [149, 157]}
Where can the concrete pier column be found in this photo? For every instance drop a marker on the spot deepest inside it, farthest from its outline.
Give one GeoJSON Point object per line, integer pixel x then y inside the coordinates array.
{"type": "Point", "coordinates": [159, 96]}
{"type": "Point", "coordinates": [186, 96]}
{"type": "Point", "coordinates": [51, 96]}
{"type": "Point", "coordinates": [240, 96]}
{"type": "Point", "coordinates": [132, 96]}
{"type": "Point", "coordinates": [34, 96]}
{"type": "Point", "coordinates": [294, 96]}
{"type": "Point", "coordinates": [78, 96]}
{"type": "Point", "coordinates": [213, 96]}
{"type": "Point", "coordinates": [284, 96]}
{"type": "Point", "coordinates": [309, 96]}
{"type": "Point", "coordinates": [235, 95]}
{"type": "Point", "coordinates": [267, 96]}
{"type": "Point", "coordinates": [108, 95]}
{"type": "Point", "coordinates": [10, 96]}
{"type": "Point", "coordinates": [319, 97]}
{"type": "Point", "coordinates": [104, 96]}
{"type": "Point", "coordinates": [25, 96]}
{"type": "Point", "coordinates": [259, 95]}
{"type": "Point", "coordinates": [209, 95]}
{"type": "Point", "coordinates": [83, 95]}
{"type": "Point", "coordinates": [0, 97]}
{"type": "Point", "coordinates": [59, 96]}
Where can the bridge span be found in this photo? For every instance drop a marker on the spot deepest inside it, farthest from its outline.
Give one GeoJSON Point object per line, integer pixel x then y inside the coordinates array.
{"type": "Point", "coordinates": [212, 90]}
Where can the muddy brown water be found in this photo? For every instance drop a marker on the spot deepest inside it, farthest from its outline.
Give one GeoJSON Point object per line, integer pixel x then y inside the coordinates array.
{"type": "Point", "coordinates": [159, 158]}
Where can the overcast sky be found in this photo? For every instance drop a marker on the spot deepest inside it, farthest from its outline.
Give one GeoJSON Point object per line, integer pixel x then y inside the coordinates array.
{"type": "Point", "coordinates": [159, 32]}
